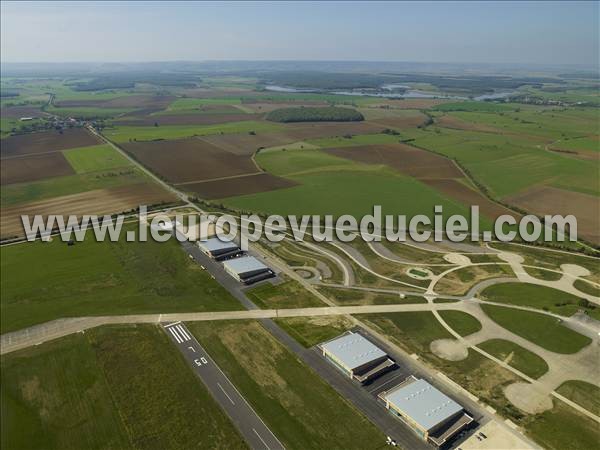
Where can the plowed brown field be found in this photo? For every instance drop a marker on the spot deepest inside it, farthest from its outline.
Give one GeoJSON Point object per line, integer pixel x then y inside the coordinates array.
{"type": "Point", "coordinates": [46, 141]}
{"type": "Point", "coordinates": [34, 167]}
{"type": "Point", "coordinates": [243, 185]}
{"type": "Point", "coordinates": [542, 200]}
{"type": "Point", "coordinates": [184, 160]}
{"type": "Point", "coordinates": [100, 201]}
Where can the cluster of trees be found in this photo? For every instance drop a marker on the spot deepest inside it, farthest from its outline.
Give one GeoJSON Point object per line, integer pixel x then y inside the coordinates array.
{"type": "Point", "coordinates": [315, 114]}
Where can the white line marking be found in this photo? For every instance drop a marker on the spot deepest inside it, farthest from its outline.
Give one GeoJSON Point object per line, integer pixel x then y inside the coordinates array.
{"type": "Point", "coordinates": [183, 332]}
{"type": "Point", "coordinates": [174, 330]}
{"type": "Point", "coordinates": [241, 396]}
{"type": "Point", "coordinates": [171, 324]}
{"type": "Point", "coordinates": [261, 439]}
{"type": "Point", "coordinates": [175, 335]}
{"type": "Point", "coordinates": [226, 394]}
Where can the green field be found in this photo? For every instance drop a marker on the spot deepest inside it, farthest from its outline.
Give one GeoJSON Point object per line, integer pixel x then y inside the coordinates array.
{"type": "Point", "coordinates": [297, 405]}
{"type": "Point", "coordinates": [518, 357]}
{"type": "Point", "coordinates": [151, 133]}
{"type": "Point", "coordinates": [310, 331]}
{"type": "Point", "coordinates": [582, 393]}
{"type": "Point", "coordinates": [563, 428]}
{"type": "Point", "coordinates": [71, 184]}
{"type": "Point", "coordinates": [289, 294]}
{"type": "Point", "coordinates": [507, 164]}
{"type": "Point", "coordinates": [95, 158]}
{"type": "Point", "coordinates": [461, 322]}
{"type": "Point", "coordinates": [360, 139]}
{"type": "Point", "coordinates": [540, 297]}
{"type": "Point", "coordinates": [545, 331]}
{"type": "Point", "coordinates": [318, 172]}
{"type": "Point", "coordinates": [46, 281]}
{"type": "Point", "coordinates": [351, 297]}
{"type": "Point", "coordinates": [112, 387]}
{"type": "Point", "coordinates": [412, 331]}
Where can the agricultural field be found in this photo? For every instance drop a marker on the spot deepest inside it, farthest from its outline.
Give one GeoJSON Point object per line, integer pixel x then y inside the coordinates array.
{"type": "Point", "coordinates": [69, 173]}
{"type": "Point", "coordinates": [46, 281]}
{"type": "Point", "coordinates": [70, 393]}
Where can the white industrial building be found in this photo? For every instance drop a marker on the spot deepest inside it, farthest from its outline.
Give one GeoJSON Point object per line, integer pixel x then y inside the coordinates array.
{"type": "Point", "coordinates": [247, 269]}
{"type": "Point", "coordinates": [218, 249]}
{"type": "Point", "coordinates": [433, 415]}
{"type": "Point", "coordinates": [356, 356]}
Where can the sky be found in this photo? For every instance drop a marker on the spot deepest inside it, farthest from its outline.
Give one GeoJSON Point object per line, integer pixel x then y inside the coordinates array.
{"type": "Point", "coordinates": [456, 32]}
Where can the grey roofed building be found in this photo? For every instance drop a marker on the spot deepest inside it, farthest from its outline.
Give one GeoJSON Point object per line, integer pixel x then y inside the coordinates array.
{"type": "Point", "coordinates": [356, 356]}
{"type": "Point", "coordinates": [430, 412]}
{"type": "Point", "coordinates": [426, 405]}
{"type": "Point", "coordinates": [352, 350]}
{"type": "Point", "coordinates": [215, 246]}
{"type": "Point", "coordinates": [245, 267]}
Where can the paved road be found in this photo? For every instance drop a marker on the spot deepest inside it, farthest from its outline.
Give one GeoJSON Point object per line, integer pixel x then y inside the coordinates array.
{"type": "Point", "coordinates": [250, 425]}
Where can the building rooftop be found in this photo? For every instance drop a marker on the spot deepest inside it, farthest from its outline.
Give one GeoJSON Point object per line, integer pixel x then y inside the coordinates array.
{"type": "Point", "coordinates": [213, 244]}
{"type": "Point", "coordinates": [244, 264]}
{"type": "Point", "coordinates": [353, 350]}
{"type": "Point", "coordinates": [423, 403]}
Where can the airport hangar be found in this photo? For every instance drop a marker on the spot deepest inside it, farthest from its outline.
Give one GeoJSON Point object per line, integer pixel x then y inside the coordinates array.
{"type": "Point", "coordinates": [218, 249]}
{"type": "Point", "coordinates": [429, 412]}
{"type": "Point", "coordinates": [356, 356]}
{"type": "Point", "coordinates": [247, 269]}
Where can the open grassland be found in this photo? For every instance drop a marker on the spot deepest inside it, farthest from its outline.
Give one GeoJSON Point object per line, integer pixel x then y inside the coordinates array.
{"type": "Point", "coordinates": [461, 322]}
{"type": "Point", "coordinates": [540, 297]}
{"type": "Point", "coordinates": [55, 396]}
{"type": "Point", "coordinates": [113, 387]}
{"type": "Point", "coordinates": [563, 428]}
{"type": "Point", "coordinates": [545, 331]}
{"type": "Point", "coordinates": [162, 403]}
{"type": "Point", "coordinates": [310, 331]}
{"type": "Point", "coordinates": [354, 297]}
{"type": "Point", "coordinates": [460, 281]}
{"type": "Point", "coordinates": [289, 294]}
{"type": "Point", "coordinates": [46, 281]}
{"type": "Point", "coordinates": [95, 158]}
{"type": "Point", "coordinates": [301, 409]}
{"type": "Point", "coordinates": [121, 134]}
{"type": "Point", "coordinates": [582, 393]}
{"type": "Point", "coordinates": [516, 356]}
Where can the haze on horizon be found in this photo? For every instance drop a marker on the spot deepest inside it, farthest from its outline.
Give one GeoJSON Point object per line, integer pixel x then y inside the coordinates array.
{"type": "Point", "coordinates": [548, 33]}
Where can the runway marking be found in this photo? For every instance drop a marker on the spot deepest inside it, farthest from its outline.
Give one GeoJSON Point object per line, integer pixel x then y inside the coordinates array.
{"type": "Point", "coordinates": [183, 332]}
{"type": "Point", "coordinates": [171, 324]}
{"type": "Point", "coordinates": [226, 394]}
{"type": "Point", "coordinates": [175, 335]}
{"type": "Point", "coordinates": [261, 439]}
